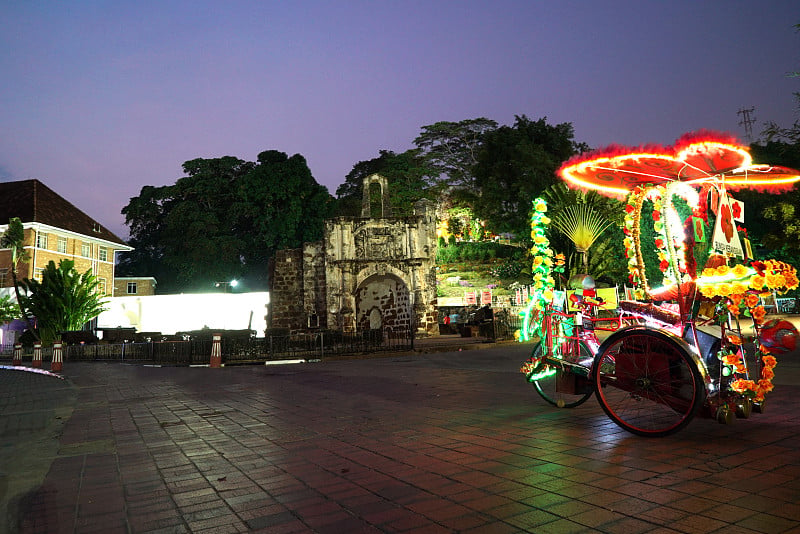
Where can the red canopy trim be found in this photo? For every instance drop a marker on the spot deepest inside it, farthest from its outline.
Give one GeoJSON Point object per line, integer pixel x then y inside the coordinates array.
{"type": "Point", "coordinates": [695, 158]}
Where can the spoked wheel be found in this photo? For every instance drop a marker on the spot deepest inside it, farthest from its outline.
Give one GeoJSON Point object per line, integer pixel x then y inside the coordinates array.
{"type": "Point", "coordinates": [647, 382]}
{"type": "Point", "coordinates": [559, 387]}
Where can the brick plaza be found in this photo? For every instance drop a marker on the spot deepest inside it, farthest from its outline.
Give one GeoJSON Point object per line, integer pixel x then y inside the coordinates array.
{"type": "Point", "coordinates": [423, 443]}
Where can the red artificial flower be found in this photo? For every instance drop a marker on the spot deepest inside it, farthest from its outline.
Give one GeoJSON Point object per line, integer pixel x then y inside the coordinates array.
{"type": "Point", "coordinates": [659, 243]}
{"type": "Point", "coordinates": [663, 265]}
{"type": "Point", "coordinates": [758, 266]}
{"type": "Point", "coordinates": [656, 215]}
{"type": "Point", "coordinates": [629, 208]}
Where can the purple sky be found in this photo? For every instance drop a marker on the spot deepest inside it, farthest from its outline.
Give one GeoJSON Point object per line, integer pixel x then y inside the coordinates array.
{"type": "Point", "coordinates": [98, 99]}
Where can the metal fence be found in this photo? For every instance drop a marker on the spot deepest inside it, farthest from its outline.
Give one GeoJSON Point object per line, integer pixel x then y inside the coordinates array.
{"type": "Point", "coordinates": [303, 346]}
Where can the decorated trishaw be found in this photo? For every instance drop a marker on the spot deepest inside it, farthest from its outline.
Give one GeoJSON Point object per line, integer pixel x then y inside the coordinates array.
{"type": "Point", "coordinates": [691, 338]}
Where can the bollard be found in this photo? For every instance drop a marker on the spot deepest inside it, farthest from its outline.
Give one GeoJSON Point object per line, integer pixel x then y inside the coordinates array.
{"type": "Point", "coordinates": [216, 350]}
{"type": "Point", "coordinates": [37, 355]}
{"type": "Point", "coordinates": [58, 358]}
{"type": "Point", "coordinates": [17, 358]}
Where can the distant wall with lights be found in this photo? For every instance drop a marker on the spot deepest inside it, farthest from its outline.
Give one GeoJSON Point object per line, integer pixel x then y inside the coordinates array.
{"type": "Point", "coordinates": [169, 314]}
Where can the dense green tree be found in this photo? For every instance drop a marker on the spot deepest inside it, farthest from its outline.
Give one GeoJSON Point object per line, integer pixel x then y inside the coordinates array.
{"type": "Point", "coordinates": [63, 300]}
{"type": "Point", "coordinates": [223, 221]}
{"type": "Point", "coordinates": [408, 175]}
{"type": "Point", "coordinates": [280, 205]}
{"type": "Point", "coordinates": [451, 149]}
{"type": "Point", "coordinates": [515, 164]}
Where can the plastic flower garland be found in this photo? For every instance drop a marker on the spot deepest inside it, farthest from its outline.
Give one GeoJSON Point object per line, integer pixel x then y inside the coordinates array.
{"type": "Point", "coordinates": [669, 234]}
{"type": "Point", "coordinates": [633, 251]}
{"type": "Point", "coordinates": [543, 282]}
{"type": "Point", "coordinates": [741, 286]}
{"type": "Point", "coordinates": [543, 266]}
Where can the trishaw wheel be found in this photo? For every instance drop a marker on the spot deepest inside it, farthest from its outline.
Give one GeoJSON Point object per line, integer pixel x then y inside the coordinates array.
{"type": "Point", "coordinates": [647, 382]}
{"type": "Point", "coordinates": [561, 388]}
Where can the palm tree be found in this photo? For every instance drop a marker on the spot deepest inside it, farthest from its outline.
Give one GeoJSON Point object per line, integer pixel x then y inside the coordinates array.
{"type": "Point", "coordinates": [582, 225]}
{"type": "Point", "coordinates": [14, 239]}
{"type": "Point", "coordinates": [64, 300]}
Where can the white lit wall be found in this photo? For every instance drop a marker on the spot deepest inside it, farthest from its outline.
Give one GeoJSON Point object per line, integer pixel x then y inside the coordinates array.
{"type": "Point", "coordinates": [177, 313]}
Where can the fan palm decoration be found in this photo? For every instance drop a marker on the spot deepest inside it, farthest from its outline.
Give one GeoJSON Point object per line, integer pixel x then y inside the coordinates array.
{"type": "Point", "coordinates": [582, 225]}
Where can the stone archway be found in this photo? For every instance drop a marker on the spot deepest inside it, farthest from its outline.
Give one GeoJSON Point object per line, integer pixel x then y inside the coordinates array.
{"type": "Point", "coordinates": [382, 299]}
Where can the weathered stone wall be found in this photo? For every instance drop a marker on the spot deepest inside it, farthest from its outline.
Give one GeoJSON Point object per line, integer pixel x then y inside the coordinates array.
{"type": "Point", "coordinates": [366, 273]}
{"type": "Point", "coordinates": [286, 310]}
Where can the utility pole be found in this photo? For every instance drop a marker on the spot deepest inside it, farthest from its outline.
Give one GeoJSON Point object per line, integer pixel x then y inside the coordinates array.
{"type": "Point", "coordinates": [747, 121]}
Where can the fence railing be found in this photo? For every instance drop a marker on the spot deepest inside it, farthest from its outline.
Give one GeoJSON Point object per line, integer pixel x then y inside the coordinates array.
{"type": "Point", "coordinates": [306, 346]}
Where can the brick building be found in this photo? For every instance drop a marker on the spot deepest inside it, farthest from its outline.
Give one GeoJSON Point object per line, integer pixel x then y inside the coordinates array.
{"type": "Point", "coordinates": [126, 286]}
{"type": "Point", "coordinates": [55, 230]}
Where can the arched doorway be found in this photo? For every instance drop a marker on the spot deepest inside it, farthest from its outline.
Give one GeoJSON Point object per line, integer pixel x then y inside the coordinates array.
{"type": "Point", "coordinates": [382, 301]}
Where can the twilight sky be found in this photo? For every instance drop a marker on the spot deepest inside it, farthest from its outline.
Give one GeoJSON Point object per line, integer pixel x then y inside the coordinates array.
{"type": "Point", "coordinates": [99, 98]}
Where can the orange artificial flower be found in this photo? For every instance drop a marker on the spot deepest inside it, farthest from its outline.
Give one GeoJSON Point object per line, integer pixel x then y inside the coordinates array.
{"type": "Point", "coordinates": [741, 385]}
{"type": "Point", "coordinates": [751, 300]}
{"type": "Point", "coordinates": [766, 385]}
{"type": "Point", "coordinates": [769, 361]}
{"type": "Point", "coordinates": [758, 314]}
{"type": "Point", "coordinates": [767, 373]}
{"type": "Point", "coordinates": [722, 270]}
{"type": "Point", "coordinates": [734, 339]}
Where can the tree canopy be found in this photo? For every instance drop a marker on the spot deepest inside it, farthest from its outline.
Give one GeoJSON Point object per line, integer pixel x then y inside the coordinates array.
{"type": "Point", "coordinates": [223, 220]}
{"type": "Point", "coordinates": [451, 149]}
{"type": "Point", "coordinates": [409, 176]}
{"type": "Point", "coordinates": [515, 164]}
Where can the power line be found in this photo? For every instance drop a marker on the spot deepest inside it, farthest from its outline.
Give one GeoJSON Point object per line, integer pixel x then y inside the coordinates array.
{"type": "Point", "coordinates": [747, 121]}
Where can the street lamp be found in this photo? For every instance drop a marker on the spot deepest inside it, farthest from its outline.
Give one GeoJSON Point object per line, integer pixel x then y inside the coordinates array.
{"type": "Point", "coordinates": [227, 285]}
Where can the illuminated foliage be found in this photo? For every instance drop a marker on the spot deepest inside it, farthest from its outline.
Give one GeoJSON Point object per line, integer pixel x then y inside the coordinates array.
{"type": "Point", "coordinates": [63, 300]}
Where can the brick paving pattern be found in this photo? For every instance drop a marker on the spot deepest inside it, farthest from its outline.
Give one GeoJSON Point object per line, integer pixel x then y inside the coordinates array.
{"type": "Point", "coordinates": [424, 443]}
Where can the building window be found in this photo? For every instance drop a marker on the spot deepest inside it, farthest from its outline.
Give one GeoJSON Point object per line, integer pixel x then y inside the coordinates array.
{"type": "Point", "coordinates": [102, 254]}
{"type": "Point", "coordinates": [131, 288]}
{"type": "Point", "coordinates": [3, 277]}
{"type": "Point", "coordinates": [62, 245]}
{"type": "Point", "coordinates": [38, 274]}
{"type": "Point", "coordinates": [86, 250]}
{"type": "Point", "coordinates": [101, 286]}
{"type": "Point", "coordinates": [41, 240]}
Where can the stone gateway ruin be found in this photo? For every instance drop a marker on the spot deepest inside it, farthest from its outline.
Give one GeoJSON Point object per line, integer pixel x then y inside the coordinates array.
{"type": "Point", "coordinates": [370, 272]}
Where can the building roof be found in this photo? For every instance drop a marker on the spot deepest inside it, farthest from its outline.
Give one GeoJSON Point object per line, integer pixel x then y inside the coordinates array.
{"type": "Point", "coordinates": [32, 201]}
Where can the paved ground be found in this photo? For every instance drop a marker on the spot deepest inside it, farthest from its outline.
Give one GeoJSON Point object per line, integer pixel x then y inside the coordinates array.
{"type": "Point", "coordinates": [424, 443]}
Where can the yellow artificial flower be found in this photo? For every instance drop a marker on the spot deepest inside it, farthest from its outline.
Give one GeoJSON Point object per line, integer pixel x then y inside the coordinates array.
{"type": "Point", "coordinates": [757, 282]}
{"type": "Point", "coordinates": [737, 288]}
{"type": "Point", "coordinates": [708, 291]}
{"type": "Point", "coordinates": [775, 281]}
{"type": "Point", "coordinates": [722, 270]}
{"type": "Point", "coordinates": [723, 289]}
{"type": "Point", "coordinates": [740, 271]}
{"type": "Point", "coordinates": [541, 207]}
